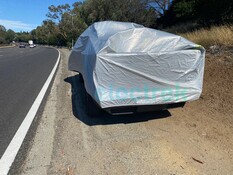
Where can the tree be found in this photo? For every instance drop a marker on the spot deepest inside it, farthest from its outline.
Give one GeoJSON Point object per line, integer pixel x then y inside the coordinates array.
{"type": "Point", "coordinates": [68, 23]}
{"type": "Point", "coordinates": [137, 11]}
{"type": "Point", "coordinates": [2, 34]}
{"type": "Point", "coordinates": [10, 36]}
{"type": "Point", "coordinates": [74, 24]}
{"type": "Point", "coordinates": [6, 36]}
{"type": "Point", "coordinates": [47, 33]}
{"type": "Point", "coordinates": [160, 6]}
{"type": "Point", "coordinates": [203, 12]}
{"type": "Point", "coordinates": [180, 11]}
{"type": "Point", "coordinates": [2, 28]}
{"type": "Point", "coordinates": [211, 12]}
{"type": "Point", "coordinates": [22, 37]}
{"type": "Point", "coordinates": [56, 12]}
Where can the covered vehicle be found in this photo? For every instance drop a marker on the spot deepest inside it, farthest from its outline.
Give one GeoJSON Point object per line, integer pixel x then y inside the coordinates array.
{"type": "Point", "coordinates": [127, 65]}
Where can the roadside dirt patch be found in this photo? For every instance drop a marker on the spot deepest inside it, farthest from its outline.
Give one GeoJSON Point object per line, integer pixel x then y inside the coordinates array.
{"type": "Point", "coordinates": [218, 82]}
{"type": "Point", "coordinates": [196, 139]}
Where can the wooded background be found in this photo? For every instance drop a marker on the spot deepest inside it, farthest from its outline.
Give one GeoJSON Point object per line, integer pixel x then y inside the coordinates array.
{"type": "Point", "coordinates": [65, 23]}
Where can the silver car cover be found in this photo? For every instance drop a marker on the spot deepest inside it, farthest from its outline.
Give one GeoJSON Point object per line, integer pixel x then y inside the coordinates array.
{"type": "Point", "coordinates": [126, 64]}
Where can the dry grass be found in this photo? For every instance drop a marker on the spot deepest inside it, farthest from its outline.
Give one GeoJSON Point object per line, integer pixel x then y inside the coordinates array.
{"type": "Point", "coordinates": [216, 35]}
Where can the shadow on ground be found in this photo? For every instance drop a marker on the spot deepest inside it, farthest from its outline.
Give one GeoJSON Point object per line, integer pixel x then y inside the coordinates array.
{"type": "Point", "coordinates": [79, 108]}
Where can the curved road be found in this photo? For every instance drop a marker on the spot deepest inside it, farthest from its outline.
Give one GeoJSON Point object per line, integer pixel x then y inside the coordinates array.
{"type": "Point", "coordinates": [23, 72]}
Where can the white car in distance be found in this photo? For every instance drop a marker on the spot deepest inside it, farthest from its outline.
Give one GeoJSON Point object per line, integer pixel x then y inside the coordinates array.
{"type": "Point", "coordinates": [31, 45]}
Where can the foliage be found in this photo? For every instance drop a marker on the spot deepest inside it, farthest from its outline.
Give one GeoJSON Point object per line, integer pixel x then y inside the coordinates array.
{"type": "Point", "coordinates": [137, 11]}
{"type": "Point", "coordinates": [65, 23]}
{"type": "Point", "coordinates": [160, 6]}
{"type": "Point", "coordinates": [203, 12]}
{"type": "Point", "coordinates": [6, 36]}
{"type": "Point", "coordinates": [211, 12]}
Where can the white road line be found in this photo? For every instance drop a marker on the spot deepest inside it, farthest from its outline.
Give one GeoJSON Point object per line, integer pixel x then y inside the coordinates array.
{"type": "Point", "coordinates": [13, 148]}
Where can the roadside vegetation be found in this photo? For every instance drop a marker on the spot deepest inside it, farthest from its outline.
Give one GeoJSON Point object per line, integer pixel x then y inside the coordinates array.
{"type": "Point", "coordinates": [202, 21]}
{"type": "Point", "coordinates": [215, 35]}
{"type": "Point", "coordinates": [6, 36]}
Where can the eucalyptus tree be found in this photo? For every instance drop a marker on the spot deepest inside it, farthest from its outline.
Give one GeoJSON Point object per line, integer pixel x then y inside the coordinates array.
{"type": "Point", "coordinates": [2, 34]}
{"type": "Point", "coordinates": [138, 11]}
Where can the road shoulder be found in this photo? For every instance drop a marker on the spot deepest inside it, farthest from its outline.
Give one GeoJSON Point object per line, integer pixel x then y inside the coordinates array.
{"type": "Point", "coordinates": [39, 155]}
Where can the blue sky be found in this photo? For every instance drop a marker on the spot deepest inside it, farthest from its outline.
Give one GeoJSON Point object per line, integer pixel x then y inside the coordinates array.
{"type": "Point", "coordinates": [25, 15]}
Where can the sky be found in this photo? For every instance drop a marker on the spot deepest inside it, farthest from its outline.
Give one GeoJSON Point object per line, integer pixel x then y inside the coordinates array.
{"type": "Point", "coordinates": [26, 15]}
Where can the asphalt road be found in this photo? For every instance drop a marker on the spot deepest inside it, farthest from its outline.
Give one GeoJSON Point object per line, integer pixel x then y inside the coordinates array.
{"type": "Point", "coordinates": [23, 72]}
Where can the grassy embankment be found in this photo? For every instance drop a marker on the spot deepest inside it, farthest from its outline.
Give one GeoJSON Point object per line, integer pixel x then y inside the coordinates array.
{"type": "Point", "coordinates": [216, 35]}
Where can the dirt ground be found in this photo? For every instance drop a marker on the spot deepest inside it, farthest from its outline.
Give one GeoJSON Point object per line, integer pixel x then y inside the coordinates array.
{"type": "Point", "coordinates": [196, 139]}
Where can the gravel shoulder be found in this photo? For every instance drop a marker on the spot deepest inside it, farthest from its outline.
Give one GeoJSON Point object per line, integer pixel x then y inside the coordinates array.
{"type": "Point", "coordinates": [196, 139]}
